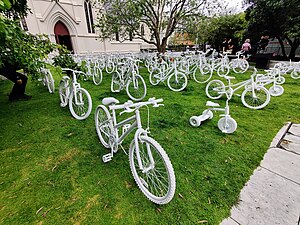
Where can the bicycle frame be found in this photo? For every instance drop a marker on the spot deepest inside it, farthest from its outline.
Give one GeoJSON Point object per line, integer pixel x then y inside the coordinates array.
{"type": "Point", "coordinates": [137, 123]}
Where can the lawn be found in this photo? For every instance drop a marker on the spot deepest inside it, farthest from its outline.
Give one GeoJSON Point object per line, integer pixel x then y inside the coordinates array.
{"type": "Point", "coordinates": [52, 170]}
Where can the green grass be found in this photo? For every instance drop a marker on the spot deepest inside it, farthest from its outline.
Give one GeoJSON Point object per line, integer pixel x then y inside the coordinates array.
{"type": "Point", "coordinates": [52, 162]}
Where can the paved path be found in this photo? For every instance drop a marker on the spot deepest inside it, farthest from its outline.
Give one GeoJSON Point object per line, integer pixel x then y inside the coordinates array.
{"type": "Point", "coordinates": [272, 195]}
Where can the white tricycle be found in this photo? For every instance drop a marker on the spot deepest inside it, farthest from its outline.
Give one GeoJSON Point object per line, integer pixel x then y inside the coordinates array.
{"type": "Point", "coordinates": [226, 123]}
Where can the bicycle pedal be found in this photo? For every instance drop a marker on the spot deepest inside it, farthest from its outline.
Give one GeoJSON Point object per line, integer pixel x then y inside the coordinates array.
{"type": "Point", "coordinates": [106, 158]}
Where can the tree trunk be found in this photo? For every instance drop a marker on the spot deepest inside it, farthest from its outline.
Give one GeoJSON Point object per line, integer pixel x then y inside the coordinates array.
{"type": "Point", "coordinates": [294, 45]}
{"type": "Point", "coordinates": [282, 47]}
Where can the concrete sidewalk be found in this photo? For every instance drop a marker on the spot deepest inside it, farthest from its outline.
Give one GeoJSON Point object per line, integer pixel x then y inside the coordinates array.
{"type": "Point", "coordinates": [272, 195]}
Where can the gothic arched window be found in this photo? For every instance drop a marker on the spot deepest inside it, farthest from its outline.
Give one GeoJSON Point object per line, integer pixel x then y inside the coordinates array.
{"type": "Point", "coordinates": [89, 16]}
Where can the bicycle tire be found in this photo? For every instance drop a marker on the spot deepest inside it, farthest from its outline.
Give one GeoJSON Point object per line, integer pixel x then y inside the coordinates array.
{"type": "Point", "coordinates": [110, 67]}
{"type": "Point", "coordinates": [103, 124]}
{"type": "Point", "coordinates": [50, 82]}
{"type": "Point", "coordinates": [64, 91]}
{"type": "Point", "coordinates": [223, 70]}
{"type": "Point", "coordinates": [260, 101]}
{"type": "Point", "coordinates": [136, 88]}
{"type": "Point", "coordinates": [97, 76]}
{"type": "Point", "coordinates": [154, 76]}
{"type": "Point", "coordinates": [276, 90]}
{"type": "Point", "coordinates": [202, 75]}
{"type": "Point", "coordinates": [227, 125]}
{"type": "Point", "coordinates": [177, 82]}
{"type": "Point", "coordinates": [213, 89]}
{"type": "Point", "coordinates": [161, 188]}
{"type": "Point", "coordinates": [240, 66]}
{"type": "Point", "coordinates": [82, 110]}
{"type": "Point", "coordinates": [295, 74]}
{"type": "Point", "coordinates": [115, 82]}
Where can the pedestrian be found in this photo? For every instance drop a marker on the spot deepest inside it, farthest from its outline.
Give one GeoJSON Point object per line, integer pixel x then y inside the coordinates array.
{"type": "Point", "coordinates": [19, 80]}
{"type": "Point", "coordinates": [246, 47]}
{"type": "Point", "coordinates": [224, 45]}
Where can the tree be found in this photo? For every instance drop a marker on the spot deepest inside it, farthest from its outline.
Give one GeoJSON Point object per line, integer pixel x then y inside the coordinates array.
{"type": "Point", "coordinates": [276, 18]}
{"type": "Point", "coordinates": [129, 18]}
{"type": "Point", "coordinates": [17, 48]}
{"type": "Point", "coordinates": [214, 29]}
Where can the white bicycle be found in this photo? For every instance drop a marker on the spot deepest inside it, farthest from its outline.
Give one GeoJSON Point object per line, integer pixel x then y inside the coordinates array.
{"type": "Point", "coordinates": [254, 96]}
{"type": "Point", "coordinates": [79, 99]}
{"type": "Point", "coordinates": [48, 80]}
{"type": "Point", "coordinates": [150, 165]}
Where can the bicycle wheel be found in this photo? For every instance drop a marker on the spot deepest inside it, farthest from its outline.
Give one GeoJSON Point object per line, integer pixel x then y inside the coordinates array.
{"type": "Point", "coordinates": [256, 99]}
{"type": "Point", "coordinates": [136, 88]}
{"type": "Point", "coordinates": [83, 107]}
{"type": "Point", "coordinates": [50, 82]}
{"type": "Point", "coordinates": [202, 75]}
{"type": "Point", "coordinates": [223, 70]}
{"type": "Point", "coordinates": [240, 66]}
{"type": "Point", "coordinates": [97, 76]}
{"type": "Point", "coordinates": [64, 91]}
{"type": "Point", "coordinates": [295, 74]}
{"type": "Point", "coordinates": [115, 82]}
{"type": "Point", "coordinates": [157, 179]}
{"type": "Point", "coordinates": [154, 76]}
{"type": "Point", "coordinates": [177, 81]}
{"type": "Point", "coordinates": [103, 124]}
{"type": "Point", "coordinates": [214, 88]}
{"type": "Point", "coordinates": [280, 80]}
{"type": "Point", "coordinates": [227, 125]}
{"type": "Point", "coordinates": [110, 67]}
{"type": "Point", "coordinates": [276, 90]}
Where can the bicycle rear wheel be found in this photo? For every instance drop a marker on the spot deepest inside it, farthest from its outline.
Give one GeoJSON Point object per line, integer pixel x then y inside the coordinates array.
{"type": "Point", "coordinates": [256, 99]}
{"type": "Point", "coordinates": [97, 76]}
{"type": "Point", "coordinates": [214, 88]}
{"type": "Point", "coordinates": [83, 107]}
{"type": "Point", "coordinates": [177, 82]}
{"type": "Point", "coordinates": [64, 91]}
{"type": "Point", "coordinates": [157, 181]}
{"type": "Point", "coordinates": [103, 124]}
{"type": "Point", "coordinates": [136, 88]}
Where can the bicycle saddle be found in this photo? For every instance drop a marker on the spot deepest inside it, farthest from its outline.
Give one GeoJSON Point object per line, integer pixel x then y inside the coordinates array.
{"type": "Point", "coordinates": [109, 101]}
{"type": "Point", "coordinates": [212, 104]}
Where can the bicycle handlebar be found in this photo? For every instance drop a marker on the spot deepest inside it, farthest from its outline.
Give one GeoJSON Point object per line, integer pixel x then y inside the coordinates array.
{"type": "Point", "coordinates": [130, 106]}
{"type": "Point", "coordinates": [74, 71]}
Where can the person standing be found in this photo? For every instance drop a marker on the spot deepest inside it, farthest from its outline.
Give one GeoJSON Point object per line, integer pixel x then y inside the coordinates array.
{"type": "Point", "coordinates": [246, 47]}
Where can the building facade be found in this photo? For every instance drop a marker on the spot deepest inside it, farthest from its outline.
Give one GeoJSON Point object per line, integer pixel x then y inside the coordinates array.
{"type": "Point", "coordinates": [71, 23]}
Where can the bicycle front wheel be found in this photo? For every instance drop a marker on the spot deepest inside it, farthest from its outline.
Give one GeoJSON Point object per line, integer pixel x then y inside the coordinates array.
{"type": "Point", "coordinates": [97, 76]}
{"type": "Point", "coordinates": [81, 108]}
{"type": "Point", "coordinates": [177, 81]}
{"type": "Point", "coordinates": [223, 70]}
{"type": "Point", "coordinates": [295, 74]}
{"type": "Point", "coordinates": [202, 75]}
{"type": "Point", "coordinates": [256, 99]}
{"type": "Point", "coordinates": [64, 91]}
{"type": "Point", "coordinates": [136, 88]}
{"type": "Point", "coordinates": [215, 89]}
{"type": "Point", "coordinates": [116, 82]}
{"type": "Point", "coordinates": [240, 66]}
{"type": "Point", "coordinates": [154, 76]}
{"type": "Point", "coordinates": [103, 124]}
{"type": "Point", "coordinates": [156, 179]}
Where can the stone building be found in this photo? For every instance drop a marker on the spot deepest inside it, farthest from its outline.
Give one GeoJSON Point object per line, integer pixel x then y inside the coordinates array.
{"type": "Point", "coordinates": [71, 22]}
